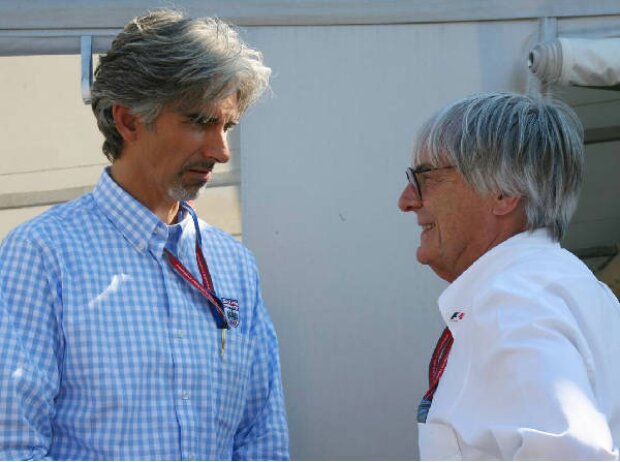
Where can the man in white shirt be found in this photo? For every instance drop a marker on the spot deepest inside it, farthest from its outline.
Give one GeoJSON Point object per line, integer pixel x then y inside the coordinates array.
{"type": "Point", "coordinates": [527, 367]}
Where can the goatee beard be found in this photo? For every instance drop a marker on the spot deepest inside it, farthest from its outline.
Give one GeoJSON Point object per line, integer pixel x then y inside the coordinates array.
{"type": "Point", "coordinates": [179, 192]}
{"type": "Point", "coordinates": [184, 192]}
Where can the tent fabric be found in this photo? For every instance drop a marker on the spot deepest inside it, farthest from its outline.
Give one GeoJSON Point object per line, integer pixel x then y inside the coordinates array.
{"type": "Point", "coordinates": [580, 62]}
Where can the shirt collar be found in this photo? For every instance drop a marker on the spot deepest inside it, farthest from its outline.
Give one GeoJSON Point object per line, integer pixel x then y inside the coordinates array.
{"type": "Point", "coordinates": [461, 292]}
{"type": "Point", "coordinates": [141, 227]}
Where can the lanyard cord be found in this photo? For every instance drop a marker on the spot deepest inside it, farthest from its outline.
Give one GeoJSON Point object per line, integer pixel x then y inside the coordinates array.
{"type": "Point", "coordinates": [438, 362]}
{"type": "Point", "coordinates": [206, 288]}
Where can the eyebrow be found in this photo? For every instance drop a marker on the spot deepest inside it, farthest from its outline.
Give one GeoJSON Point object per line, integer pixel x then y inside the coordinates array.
{"type": "Point", "coordinates": [210, 118]}
{"type": "Point", "coordinates": [198, 115]}
{"type": "Point", "coordinates": [422, 165]}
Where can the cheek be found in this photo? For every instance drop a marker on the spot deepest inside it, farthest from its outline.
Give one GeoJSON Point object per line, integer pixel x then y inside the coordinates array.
{"type": "Point", "coordinates": [448, 218]}
{"type": "Point", "coordinates": [466, 222]}
{"type": "Point", "coordinates": [455, 222]}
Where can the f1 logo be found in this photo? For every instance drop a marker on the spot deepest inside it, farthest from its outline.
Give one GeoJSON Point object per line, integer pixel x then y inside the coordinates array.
{"type": "Point", "coordinates": [457, 316]}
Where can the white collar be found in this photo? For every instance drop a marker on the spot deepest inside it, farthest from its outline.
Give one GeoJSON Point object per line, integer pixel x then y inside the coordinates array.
{"type": "Point", "coordinates": [460, 294]}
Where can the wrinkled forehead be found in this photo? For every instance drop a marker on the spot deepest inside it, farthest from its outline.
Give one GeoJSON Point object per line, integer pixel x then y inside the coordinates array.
{"type": "Point", "coordinates": [426, 157]}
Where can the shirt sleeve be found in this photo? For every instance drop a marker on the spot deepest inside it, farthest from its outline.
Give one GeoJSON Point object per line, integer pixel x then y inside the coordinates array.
{"type": "Point", "coordinates": [528, 392]}
{"type": "Point", "coordinates": [263, 432]}
{"type": "Point", "coordinates": [30, 346]}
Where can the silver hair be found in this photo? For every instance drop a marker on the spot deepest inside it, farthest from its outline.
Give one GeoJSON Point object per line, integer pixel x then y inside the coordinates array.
{"type": "Point", "coordinates": [512, 144]}
{"type": "Point", "coordinates": [164, 58]}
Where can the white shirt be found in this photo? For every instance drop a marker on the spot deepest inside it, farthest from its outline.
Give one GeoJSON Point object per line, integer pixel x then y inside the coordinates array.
{"type": "Point", "coordinates": [534, 372]}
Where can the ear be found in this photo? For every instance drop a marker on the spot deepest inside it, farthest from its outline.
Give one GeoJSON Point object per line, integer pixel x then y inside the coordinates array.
{"type": "Point", "coordinates": [126, 122]}
{"type": "Point", "coordinates": [504, 205]}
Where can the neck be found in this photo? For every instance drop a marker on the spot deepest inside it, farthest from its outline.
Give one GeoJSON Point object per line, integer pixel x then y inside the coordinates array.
{"type": "Point", "coordinates": [139, 188]}
{"type": "Point", "coordinates": [506, 228]}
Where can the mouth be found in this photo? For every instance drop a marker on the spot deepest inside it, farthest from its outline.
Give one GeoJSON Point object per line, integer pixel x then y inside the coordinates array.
{"type": "Point", "coordinates": [200, 172]}
{"type": "Point", "coordinates": [200, 175]}
{"type": "Point", "coordinates": [427, 228]}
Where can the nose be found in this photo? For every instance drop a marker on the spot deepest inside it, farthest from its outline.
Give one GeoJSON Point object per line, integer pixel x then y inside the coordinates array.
{"type": "Point", "coordinates": [409, 200]}
{"type": "Point", "coordinates": [215, 146]}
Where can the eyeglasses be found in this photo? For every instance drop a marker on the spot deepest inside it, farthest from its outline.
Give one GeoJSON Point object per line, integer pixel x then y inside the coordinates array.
{"type": "Point", "coordinates": [417, 179]}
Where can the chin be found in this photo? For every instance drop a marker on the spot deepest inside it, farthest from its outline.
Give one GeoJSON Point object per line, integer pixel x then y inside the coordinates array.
{"type": "Point", "coordinates": [193, 194]}
{"type": "Point", "coordinates": [423, 257]}
{"type": "Point", "coordinates": [185, 193]}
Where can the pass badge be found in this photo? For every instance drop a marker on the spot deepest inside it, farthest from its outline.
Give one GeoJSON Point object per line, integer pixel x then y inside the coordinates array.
{"type": "Point", "coordinates": [231, 308]}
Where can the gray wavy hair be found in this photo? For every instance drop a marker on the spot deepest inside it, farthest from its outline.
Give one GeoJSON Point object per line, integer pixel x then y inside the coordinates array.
{"type": "Point", "coordinates": [512, 144]}
{"type": "Point", "coordinates": [162, 58]}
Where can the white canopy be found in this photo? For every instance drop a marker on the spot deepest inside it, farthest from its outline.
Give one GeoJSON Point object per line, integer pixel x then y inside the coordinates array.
{"type": "Point", "coordinates": [576, 61]}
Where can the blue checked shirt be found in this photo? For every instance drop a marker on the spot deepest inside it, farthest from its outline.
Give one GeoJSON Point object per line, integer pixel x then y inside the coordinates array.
{"type": "Point", "coordinates": [107, 353]}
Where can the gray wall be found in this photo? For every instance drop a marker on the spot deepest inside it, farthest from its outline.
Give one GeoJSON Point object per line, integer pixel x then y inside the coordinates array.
{"type": "Point", "coordinates": [323, 166]}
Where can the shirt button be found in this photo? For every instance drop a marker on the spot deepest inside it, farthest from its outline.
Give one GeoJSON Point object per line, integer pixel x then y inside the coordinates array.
{"type": "Point", "coordinates": [190, 457]}
{"type": "Point", "coordinates": [185, 395]}
{"type": "Point", "coordinates": [141, 246]}
{"type": "Point", "coordinates": [180, 333]}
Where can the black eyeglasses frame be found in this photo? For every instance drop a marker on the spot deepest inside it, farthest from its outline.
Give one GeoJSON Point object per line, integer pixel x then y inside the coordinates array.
{"type": "Point", "coordinates": [412, 176]}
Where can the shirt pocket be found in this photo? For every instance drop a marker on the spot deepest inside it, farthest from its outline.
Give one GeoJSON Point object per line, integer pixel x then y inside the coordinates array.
{"type": "Point", "coordinates": [438, 442]}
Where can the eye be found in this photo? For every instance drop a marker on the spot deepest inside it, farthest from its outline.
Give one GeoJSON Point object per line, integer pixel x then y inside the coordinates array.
{"type": "Point", "coordinates": [203, 121]}
{"type": "Point", "coordinates": [424, 175]}
{"type": "Point", "coordinates": [230, 125]}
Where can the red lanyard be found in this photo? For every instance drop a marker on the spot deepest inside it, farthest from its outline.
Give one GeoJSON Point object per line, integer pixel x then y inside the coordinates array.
{"type": "Point", "coordinates": [438, 362]}
{"type": "Point", "coordinates": [206, 288]}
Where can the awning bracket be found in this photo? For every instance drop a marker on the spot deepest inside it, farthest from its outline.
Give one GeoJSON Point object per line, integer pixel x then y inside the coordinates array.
{"type": "Point", "coordinates": [86, 59]}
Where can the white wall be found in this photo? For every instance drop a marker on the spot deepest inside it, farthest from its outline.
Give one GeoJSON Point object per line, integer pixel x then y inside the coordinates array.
{"type": "Point", "coordinates": [323, 165]}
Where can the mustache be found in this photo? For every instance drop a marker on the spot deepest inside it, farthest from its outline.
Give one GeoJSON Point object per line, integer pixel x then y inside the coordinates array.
{"type": "Point", "coordinates": [198, 165]}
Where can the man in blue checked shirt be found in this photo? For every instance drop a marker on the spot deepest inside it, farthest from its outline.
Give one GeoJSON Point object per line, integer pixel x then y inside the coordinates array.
{"type": "Point", "coordinates": [129, 329]}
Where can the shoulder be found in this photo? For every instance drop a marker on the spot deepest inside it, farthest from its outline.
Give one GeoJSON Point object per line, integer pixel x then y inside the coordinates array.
{"type": "Point", "coordinates": [226, 246]}
{"type": "Point", "coordinates": [547, 288]}
{"type": "Point", "coordinates": [544, 271]}
{"type": "Point", "coordinates": [220, 237]}
{"type": "Point", "coordinates": [33, 256]}
{"type": "Point", "coordinates": [521, 273]}
{"type": "Point", "coordinates": [52, 227]}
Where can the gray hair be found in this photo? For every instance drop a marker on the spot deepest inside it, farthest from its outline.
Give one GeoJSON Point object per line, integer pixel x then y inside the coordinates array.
{"type": "Point", "coordinates": [512, 144]}
{"type": "Point", "coordinates": [162, 58]}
